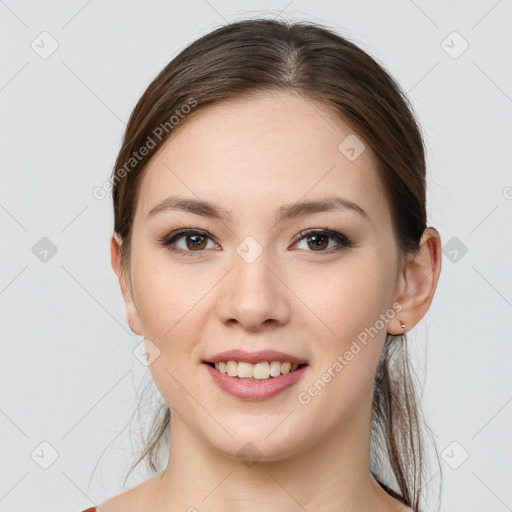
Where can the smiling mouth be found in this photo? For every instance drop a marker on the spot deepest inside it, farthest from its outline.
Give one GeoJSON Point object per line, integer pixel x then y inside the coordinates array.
{"type": "Point", "coordinates": [256, 372]}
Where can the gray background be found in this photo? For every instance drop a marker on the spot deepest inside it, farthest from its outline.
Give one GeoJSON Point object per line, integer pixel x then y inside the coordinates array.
{"type": "Point", "coordinates": [68, 376]}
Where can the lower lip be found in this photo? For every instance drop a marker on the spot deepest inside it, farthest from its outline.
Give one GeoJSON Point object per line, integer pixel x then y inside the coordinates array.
{"type": "Point", "coordinates": [254, 389]}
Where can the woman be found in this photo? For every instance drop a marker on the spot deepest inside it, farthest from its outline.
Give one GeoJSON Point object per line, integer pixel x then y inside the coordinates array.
{"type": "Point", "coordinates": [271, 246]}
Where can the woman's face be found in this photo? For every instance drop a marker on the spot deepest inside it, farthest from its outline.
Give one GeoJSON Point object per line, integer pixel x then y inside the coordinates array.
{"type": "Point", "coordinates": [249, 280]}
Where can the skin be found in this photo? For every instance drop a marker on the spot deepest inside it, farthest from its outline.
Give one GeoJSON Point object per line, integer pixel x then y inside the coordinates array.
{"type": "Point", "coordinates": [252, 156]}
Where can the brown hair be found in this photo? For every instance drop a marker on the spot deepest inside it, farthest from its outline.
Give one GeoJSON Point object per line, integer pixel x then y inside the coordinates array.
{"type": "Point", "coordinates": [264, 55]}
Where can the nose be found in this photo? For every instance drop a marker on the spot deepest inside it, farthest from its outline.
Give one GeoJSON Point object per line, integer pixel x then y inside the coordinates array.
{"type": "Point", "coordinates": [254, 296]}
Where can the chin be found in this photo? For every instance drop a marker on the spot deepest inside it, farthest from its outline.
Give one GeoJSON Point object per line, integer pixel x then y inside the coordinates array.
{"type": "Point", "coordinates": [257, 445]}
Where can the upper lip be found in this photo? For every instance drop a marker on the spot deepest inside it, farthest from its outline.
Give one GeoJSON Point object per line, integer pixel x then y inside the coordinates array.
{"type": "Point", "coordinates": [254, 357]}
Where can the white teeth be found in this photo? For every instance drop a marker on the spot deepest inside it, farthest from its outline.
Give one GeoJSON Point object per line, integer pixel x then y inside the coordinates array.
{"type": "Point", "coordinates": [259, 371]}
{"type": "Point", "coordinates": [245, 370]}
{"type": "Point", "coordinates": [275, 368]}
{"type": "Point", "coordinates": [232, 368]}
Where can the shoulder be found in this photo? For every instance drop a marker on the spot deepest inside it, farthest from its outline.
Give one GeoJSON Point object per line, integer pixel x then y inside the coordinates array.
{"type": "Point", "coordinates": [124, 502]}
{"type": "Point", "coordinates": [134, 499]}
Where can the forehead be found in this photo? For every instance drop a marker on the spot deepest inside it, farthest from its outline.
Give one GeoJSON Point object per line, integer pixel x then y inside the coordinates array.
{"type": "Point", "coordinates": [264, 149]}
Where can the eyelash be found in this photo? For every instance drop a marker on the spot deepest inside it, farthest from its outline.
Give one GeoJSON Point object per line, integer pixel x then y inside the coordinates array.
{"type": "Point", "coordinates": [342, 240]}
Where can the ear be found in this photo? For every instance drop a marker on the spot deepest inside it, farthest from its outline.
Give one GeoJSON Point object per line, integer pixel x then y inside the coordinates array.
{"type": "Point", "coordinates": [132, 315]}
{"type": "Point", "coordinates": [418, 282]}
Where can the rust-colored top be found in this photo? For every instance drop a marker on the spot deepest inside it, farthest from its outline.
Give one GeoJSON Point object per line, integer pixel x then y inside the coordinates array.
{"type": "Point", "coordinates": [90, 509]}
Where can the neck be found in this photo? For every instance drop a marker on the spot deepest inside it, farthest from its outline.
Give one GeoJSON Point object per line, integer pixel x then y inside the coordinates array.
{"type": "Point", "coordinates": [331, 476]}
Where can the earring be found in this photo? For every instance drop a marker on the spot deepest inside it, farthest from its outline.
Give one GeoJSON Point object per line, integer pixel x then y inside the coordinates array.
{"type": "Point", "coordinates": [402, 335]}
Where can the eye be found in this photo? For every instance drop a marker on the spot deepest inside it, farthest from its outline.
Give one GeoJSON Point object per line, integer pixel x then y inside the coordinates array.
{"type": "Point", "coordinates": [195, 240]}
{"type": "Point", "coordinates": [318, 240]}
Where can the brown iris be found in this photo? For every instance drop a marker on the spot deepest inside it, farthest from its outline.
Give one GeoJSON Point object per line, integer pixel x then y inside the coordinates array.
{"type": "Point", "coordinates": [318, 245]}
{"type": "Point", "coordinates": [199, 241]}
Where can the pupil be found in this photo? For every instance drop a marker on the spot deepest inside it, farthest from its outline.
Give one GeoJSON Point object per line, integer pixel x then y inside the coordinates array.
{"type": "Point", "coordinates": [197, 243]}
{"type": "Point", "coordinates": [317, 244]}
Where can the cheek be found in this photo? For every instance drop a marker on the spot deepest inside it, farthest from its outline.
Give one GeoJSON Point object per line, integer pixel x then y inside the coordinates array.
{"type": "Point", "coordinates": [174, 302]}
{"type": "Point", "coordinates": [172, 312]}
{"type": "Point", "coordinates": [168, 295]}
{"type": "Point", "coordinates": [346, 298]}
{"type": "Point", "coordinates": [345, 306]}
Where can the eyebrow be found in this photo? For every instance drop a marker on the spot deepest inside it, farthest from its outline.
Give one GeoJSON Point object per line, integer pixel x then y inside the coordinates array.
{"type": "Point", "coordinates": [286, 212]}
